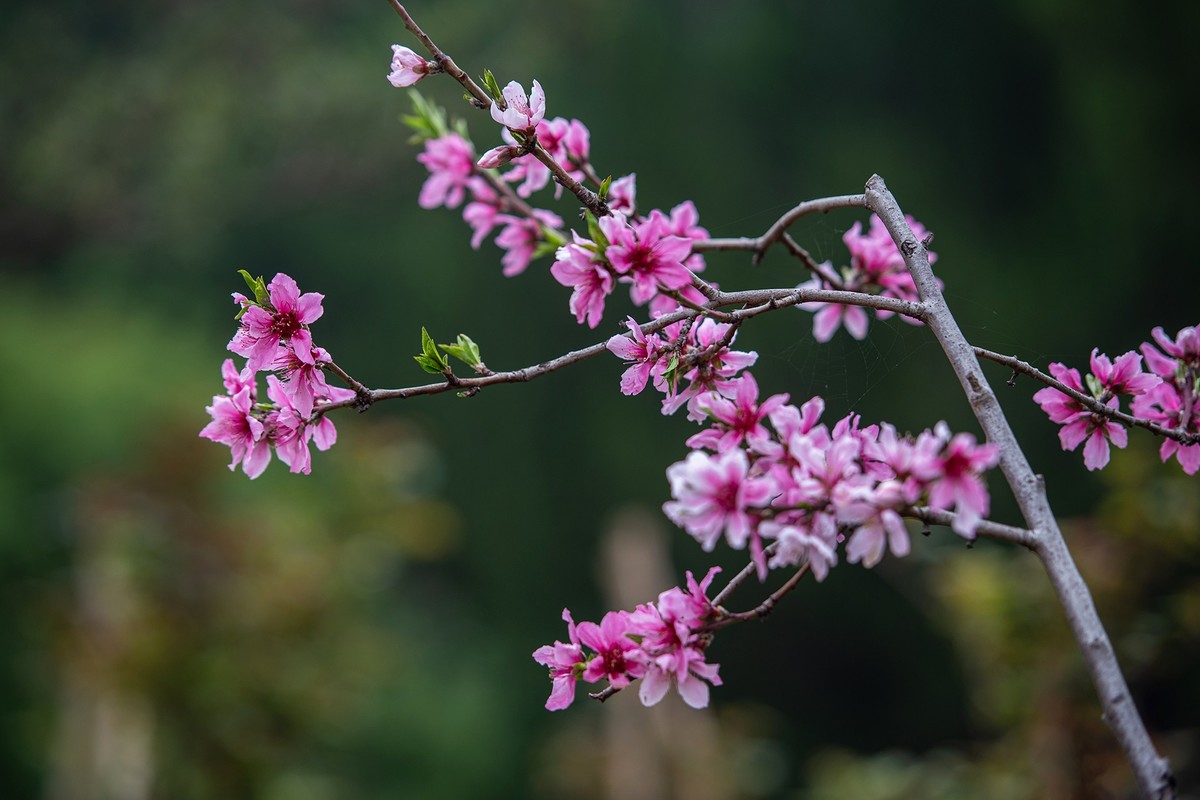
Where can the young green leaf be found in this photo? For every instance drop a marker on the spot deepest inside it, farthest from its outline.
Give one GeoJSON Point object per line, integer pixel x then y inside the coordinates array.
{"type": "Point", "coordinates": [594, 231]}
{"type": "Point", "coordinates": [464, 350]}
{"type": "Point", "coordinates": [604, 187]}
{"type": "Point", "coordinates": [430, 359]}
{"type": "Point", "coordinates": [257, 287]}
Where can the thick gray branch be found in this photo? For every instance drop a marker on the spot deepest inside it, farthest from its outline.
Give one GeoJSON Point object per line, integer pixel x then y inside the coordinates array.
{"type": "Point", "coordinates": [1151, 770]}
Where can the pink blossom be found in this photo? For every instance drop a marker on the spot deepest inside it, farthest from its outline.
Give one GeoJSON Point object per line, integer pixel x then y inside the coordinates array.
{"type": "Point", "coordinates": [236, 380]}
{"type": "Point", "coordinates": [1125, 376]}
{"type": "Point", "coordinates": [961, 486]}
{"type": "Point", "coordinates": [879, 527]}
{"type": "Point", "coordinates": [498, 156]}
{"type": "Point", "coordinates": [684, 221]}
{"type": "Point", "coordinates": [305, 382]}
{"type": "Point", "coordinates": [622, 195]}
{"type": "Point", "coordinates": [521, 237]}
{"type": "Point", "coordinates": [616, 654]}
{"type": "Point", "coordinates": [736, 420]}
{"type": "Point", "coordinates": [483, 212]}
{"type": "Point", "coordinates": [578, 267]}
{"type": "Point", "coordinates": [565, 662]}
{"type": "Point", "coordinates": [407, 67]}
{"type": "Point", "coordinates": [567, 143]}
{"type": "Point", "coordinates": [647, 255]}
{"type": "Point", "coordinates": [523, 113]}
{"type": "Point", "coordinates": [451, 162]}
{"type": "Point", "coordinates": [1164, 405]}
{"type": "Point", "coordinates": [1185, 348]}
{"type": "Point", "coordinates": [234, 425]}
{"type": "Point", "coordinates": [815, 544]}
{"type": "Point", "coordinates": [577, 142]}
{"type": "Point", "coordinates": [1097, 430]}
{"type": "Point", "coordinates": [828, 317]}
{"type": "Point", "coordinates": [715, 495]}
{"type": "Point", "coordinates": [292, 431]}
{"type": "Point", "coordinates": [1061, 407]}
{"type": "Point", "coordinates": [642, 350]}
{"type": "Point", "coordinates": [875, 253]}
{"type": "Point", "coordinates": [717, 373]}
{"type": "Point", "coordinates": [264, 330]}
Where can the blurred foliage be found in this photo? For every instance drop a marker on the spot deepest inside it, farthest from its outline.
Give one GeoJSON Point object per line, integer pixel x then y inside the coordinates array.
{"type": "Point", "coordinates": [366, 631]}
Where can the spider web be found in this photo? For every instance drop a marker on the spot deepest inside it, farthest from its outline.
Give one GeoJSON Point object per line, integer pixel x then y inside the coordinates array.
{"type": "Point", "coordinates": [855, 376]}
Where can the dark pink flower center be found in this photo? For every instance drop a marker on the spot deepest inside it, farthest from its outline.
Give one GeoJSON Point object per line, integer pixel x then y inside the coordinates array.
{"type": "Point", "coordinates": [285, 325]}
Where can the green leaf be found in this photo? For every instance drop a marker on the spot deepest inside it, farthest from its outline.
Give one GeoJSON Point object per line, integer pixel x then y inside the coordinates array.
{"type": "Point", "coordinates": [604, 187]}
{"type": "Point", "coordinates": [491, 86]}
{"type": "Point", "coordinates": [464, 350]}
{"type": "Point", "coordinates": [257, 287]}
{"type": "Point", "coordinates": [430, 359]}
{"type": "Point", "coordinates": [1093, 384]}
{"type": "Point", "coordinates": [544, 249]}
{"type": "Point", "coordinates": [671, 373]}
{"type": "Point", "coordinates": [428, 121]}
{"type": "Point", "coordinates": [594, 231]}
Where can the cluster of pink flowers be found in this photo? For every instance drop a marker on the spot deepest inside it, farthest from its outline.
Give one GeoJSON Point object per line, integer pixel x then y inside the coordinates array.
{"type": "Point", "coordinates": [876, 267]}
{"type": "Point", "coordinates": [769, 471]}
{"type": "Point", "coordinates": [660, 643]}
{"type": "Point", "coordinates": [1166, 395]}
{"type": "Point", "coordinates": [652, 254]}
{"type": "Point", "coordinates": [274, 337]}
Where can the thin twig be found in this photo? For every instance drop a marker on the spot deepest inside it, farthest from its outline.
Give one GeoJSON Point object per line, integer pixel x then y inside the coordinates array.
{"type": "Point", "coordinates": [992, 530]}
{"type": "Point", "coordinates": [764, 608]}
{"type": "Point", "coordinates": [754, 302]}
{"type": "Point", "coordinates": [444, 62]}
{"type": "Point", "coordinates": [1095, 406]}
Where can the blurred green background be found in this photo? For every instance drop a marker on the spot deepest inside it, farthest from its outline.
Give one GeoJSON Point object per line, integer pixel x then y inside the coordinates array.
{"type": "Point", "coordinates": [172, 630]}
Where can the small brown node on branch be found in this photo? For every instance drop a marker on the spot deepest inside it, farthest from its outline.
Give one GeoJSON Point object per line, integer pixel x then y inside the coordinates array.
{"type": "Point", "coordinates": [1012, 379]}
{"type": "Point", "coordinates": [362, 401]}
{"type": "Point", "coordinates": [908, 247]}
{"type": "Point", "coordinates": [928, 240]}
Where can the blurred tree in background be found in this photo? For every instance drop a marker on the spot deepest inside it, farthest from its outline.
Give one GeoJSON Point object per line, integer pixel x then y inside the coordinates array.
{"type": "Point", "coordinates": [172, 631]}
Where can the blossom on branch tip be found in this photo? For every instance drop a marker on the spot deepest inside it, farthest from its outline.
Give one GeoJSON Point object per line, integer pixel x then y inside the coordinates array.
{"type": "Point", "coordinates": [407, 67]}
{"type": "Point", "coordinates": [523, 113]}
{"type": "Point", "coordinates": [499, 156]}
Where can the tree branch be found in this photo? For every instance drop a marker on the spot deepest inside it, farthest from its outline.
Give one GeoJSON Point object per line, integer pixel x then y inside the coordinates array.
{"type": "Point", "coordinates": [753, 302]}
{"type": "Point", "coordinates": [1092, 404]}
{"type": "Point", "coordinates": [1151, 770]}
{"type": "Point", "coordinates": [445, 63]}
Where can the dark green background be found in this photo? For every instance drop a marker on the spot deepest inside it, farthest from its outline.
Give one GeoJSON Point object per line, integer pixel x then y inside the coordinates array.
{"type": "Point", "coordinates": [365, 631]}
